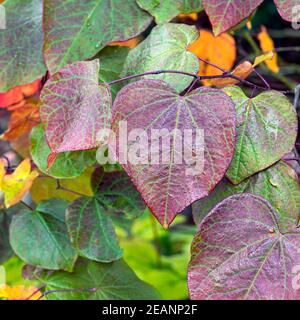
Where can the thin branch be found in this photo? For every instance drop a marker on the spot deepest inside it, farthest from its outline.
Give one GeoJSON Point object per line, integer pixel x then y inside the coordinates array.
{"type": "Point", "coordinates": [291, 159]}
{"type": "Point", "coordinates": [35, 292]}
{"type": "Point", "coordinates": [26, 205]}
{"type": "Point", "coordinates": [191, 87]}
{"type": "Point", "coordinates": [60, 187]}
{"type": "Point", "coordinates": [283, 49]}
{"type": "Point", "coordinates": [213, 65]}
{"type": "Point", "coordinates": [262, 79]}
{"type": "Point", "coordinates": [226, 74]}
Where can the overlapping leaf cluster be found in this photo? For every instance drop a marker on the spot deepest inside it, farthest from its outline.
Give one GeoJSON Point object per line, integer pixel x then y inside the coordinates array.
{"type": "Point", "coordinates": [246, 246]}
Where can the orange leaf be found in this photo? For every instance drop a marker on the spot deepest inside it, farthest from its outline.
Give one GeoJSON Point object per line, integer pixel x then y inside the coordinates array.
{"type": "Point", "coordinates": [15, 96]}
{"type": "Point", "coordinates": [243, 70]}
{"type": "Point", "coordinates": [19, 292]}
{"type": "Point", "coordinates": [186, 16]}
{"type": "Point", "coordinates": [15, 185]}
{"type": "Point", "coordinates": [22, 120]}
{"type": "Point", "coordinates": [266, 45]}
{"type": "Point", "coordinates": [219, 50]}
{"type": "Point", "coordinates": [131, 43]}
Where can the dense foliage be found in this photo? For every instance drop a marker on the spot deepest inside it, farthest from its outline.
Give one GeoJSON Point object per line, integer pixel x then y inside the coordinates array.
{"type": "Point", "coordinates": [93, 205]}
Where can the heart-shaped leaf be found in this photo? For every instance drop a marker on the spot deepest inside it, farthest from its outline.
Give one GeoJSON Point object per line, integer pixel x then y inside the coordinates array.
{"type": "Point", "coordinates": [168, 180]}
{"type": "Point", "coordinates": [66, 165]}
{"type": "Point", "coordinates": [74, 107]}
{"type": "Point", "coordinates": [166, 10]}
{"type": "Point", "coordinates": [98, 281]}
{"type": "Point", "coordinates": [287, 9]}
{"type": "Point", "coordinates": [277, 184]}
{"type": "Point", "coordinates": [92, 24]}
{"type": "Point", "coordinates": [240, 253]}
{"type": "Point", "coordinates": [266, 131]}
{"type": "Point", "coordinates": [165, 48]}
{"type": "Point", "coordinates": [91, 230]}
{"type": "Point", "coordinates": [224, 15]}
{"type": "Point", "coordinates": [21, 60]}
{"type": "Point", "coordinates": [41, 238]}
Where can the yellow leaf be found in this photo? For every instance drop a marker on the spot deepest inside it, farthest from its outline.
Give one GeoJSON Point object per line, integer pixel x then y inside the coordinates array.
{"type": "Point", "coordinates": [19, 292]}
{"type": "Point", "coordinates": [44, 188]}
{"type": "Point", "coordinates": [262, 58]}
{"type": "Point", "coordinates": [249, 25]}
{"type": "Point", "coordinates": [220, 50]}
{"type": "Point", "coordinates": [243, 70]}
{"type": "Point", "coordinates": [15, 185]}
{"type": "Point", "coordinates": [266, 45]}
{"type": "Point", "coordinates": [2, 172]}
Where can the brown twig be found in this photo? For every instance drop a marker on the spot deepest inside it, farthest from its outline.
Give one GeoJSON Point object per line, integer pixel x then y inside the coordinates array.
{"type": "Point", "coordinates": [60, 187]}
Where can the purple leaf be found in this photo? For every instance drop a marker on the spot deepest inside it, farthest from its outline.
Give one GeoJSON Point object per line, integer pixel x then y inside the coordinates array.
{"type": "Point", "coordinates": [168, 186]}
{"type": "Point", "coordinates": [239, 252]}
{"type": "Point", "coordinates": [224, 15]}
{"type": "Point", "coordinates": [74, 107]}
{"type": "Point", "coordinates": [287, 9]}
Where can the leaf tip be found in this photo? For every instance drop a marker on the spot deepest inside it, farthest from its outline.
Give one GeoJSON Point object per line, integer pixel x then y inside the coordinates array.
{"type": "Point", "coordinates": [165, 226]}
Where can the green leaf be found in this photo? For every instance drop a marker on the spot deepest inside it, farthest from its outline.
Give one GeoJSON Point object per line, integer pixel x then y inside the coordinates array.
{"type": "Point", "coordinates": [77, 30]}
{"type": "Point", "coordinates": [91, 230]}
{"type": "Point", "coordinates": [69, 164]}
{"type": "Point", "coordinates": [166, 10]}
{"type": "Point", "coordinates": [266, 131]}
{"type": "Point", "coordinates": [41, 238]}
{"type": "Point", "coordinates": [5, 248]}
{"type": "Point", "coordinates": [117, 192]}
{"type": "Point", "coordinates": [108, 281]}
{"type": "Point", "coordinates": [278, 184]}
{"type": "Point", "coordinates": [165, 49]}
{"type": "Point", "coordinates": [54, 207]}
{"type": "Point", "coordinates": [112, 60]}
{"type": "Point", "coordinates": [21, 59]}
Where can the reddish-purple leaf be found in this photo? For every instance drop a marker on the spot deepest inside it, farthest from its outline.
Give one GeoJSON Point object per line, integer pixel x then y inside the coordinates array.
{"type": "Point", "coordinates": [74, 108]}
{"type": "Point", "coordinates": [240, 253]}
{"type": "Point", "coordinates": [224, 15]}
{"type": "Point", "coordinates": [168, 186]}
{"type": "Point", "coordinates": [288, 9]}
